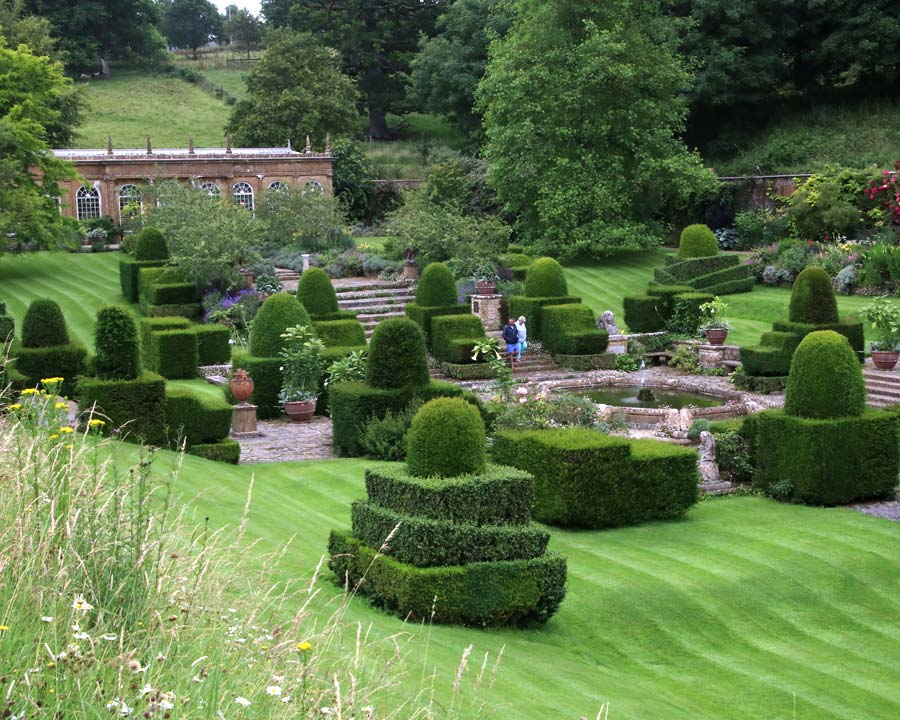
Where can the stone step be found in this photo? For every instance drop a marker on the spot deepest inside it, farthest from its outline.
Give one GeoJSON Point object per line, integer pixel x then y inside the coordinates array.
{"type": "Point", "coordinates": [375, 293]}
{"type": "Point", "coordinates": [879, 384]}
{"type": "Point", "coordinates": [354, 285]}
{"type": "Point", "coordinates": [374, 302]}
{"type": "Point", "coordinates": [877, 401]}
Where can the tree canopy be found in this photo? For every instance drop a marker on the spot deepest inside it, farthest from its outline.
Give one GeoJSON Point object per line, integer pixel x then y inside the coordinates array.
{"type": "Point", "coordinates": [190, 23]}
{"type": "Point", "coordinates": [242, 28]}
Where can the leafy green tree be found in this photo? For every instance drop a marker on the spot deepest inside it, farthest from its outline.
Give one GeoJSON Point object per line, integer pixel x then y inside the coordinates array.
{"type": "Point", "coordinates": [191, 23]}
{"type": "Point", "coordinates": [242, 28]}
{"type": "Point", "coordinates": [300, 218]}
{"type": "Point", "coordinates": [449, 66]}
{"type": "Point", "coordinates": [583, 146]}
{"type": "Point", "coordinates": [296, 90]}
{"type": "Point", "coordinates": [352, 178]}
{"type": "Point", "coordinates": [377, 40]}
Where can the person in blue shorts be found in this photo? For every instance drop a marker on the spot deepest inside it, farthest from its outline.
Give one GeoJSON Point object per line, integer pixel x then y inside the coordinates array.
{"type": "Point", "coordinates": [511, 338]}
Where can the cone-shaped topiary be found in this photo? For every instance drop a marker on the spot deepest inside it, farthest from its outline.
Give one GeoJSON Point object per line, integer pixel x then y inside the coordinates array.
{"type": "Point", "coordinates": [697, 241]}
{"type": "Point", "coordinates": [149, 244]}
{"type": "Point", "coordinates": [116, 341]}
{"type": "Point", "coordinates": [826, 380]}
{"type": "Point", "coordinates": [812, 298]}
{"type": "Point", "coordinates": [44, 325]}
{"type": "Point", "coordinates": [446, 438]}
{"type": "Point", "coordinates": [316, 292]}
{"type": "Point", "coordinates": [546, 278]}
{"type": "Point", "coordinates": [436, 288]}
{"type": "Point", "coordinates": [397, 355]}
{"type": "Point", "coordinates": [278, 313]}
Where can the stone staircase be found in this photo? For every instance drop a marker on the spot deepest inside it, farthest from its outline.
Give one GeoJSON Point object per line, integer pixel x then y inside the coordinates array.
{"type": "Point", "coordinates": [883, 385]}
{"type": "Point", "coordinates": [373, 300]}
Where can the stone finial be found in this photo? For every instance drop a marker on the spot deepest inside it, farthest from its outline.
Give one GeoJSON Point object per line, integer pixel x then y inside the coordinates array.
{"type": "Point", "coordinates": [109, 150]}
{"type": "Point", "coordinates": [308, 146]}
{"type": "Point", "coordinates": [149, 146]}
{"type": "Point", "coordinates": [190, 144]}
{"type": "Point", "coordinates": [328, 143]}
{"type": "Point", "coordinates": [228, 143]}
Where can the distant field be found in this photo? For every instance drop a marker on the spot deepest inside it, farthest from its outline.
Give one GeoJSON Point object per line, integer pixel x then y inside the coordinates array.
{"type": "Point", "coordinates": [231, 80]}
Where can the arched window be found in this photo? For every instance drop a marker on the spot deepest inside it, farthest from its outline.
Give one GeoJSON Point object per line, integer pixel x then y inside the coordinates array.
{"type": "Point", "coordinates": [277, 185]}
{"type": "Point", "coordinates": [130, 195]}
{"type": "Point", "coordinates": [243, 194]}
{"type": "Point", "coordinates": [313, 186]}
{"type": "Point", "coordinates": [87, 203]}
{"type": "Point", "coordinates": [211, 189]}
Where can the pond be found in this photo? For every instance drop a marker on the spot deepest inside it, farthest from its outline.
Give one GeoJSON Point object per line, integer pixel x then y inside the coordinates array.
{"type": "Point", "coordinates": [650, 397]}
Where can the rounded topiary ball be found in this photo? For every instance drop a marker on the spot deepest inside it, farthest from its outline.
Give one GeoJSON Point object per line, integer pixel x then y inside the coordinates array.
{"type": "Point", "coordinates": [697, 241]}
{"type": "Point", "coordinates": [44, 325]}
{"type": "Point", "coordinates": [316, 292]}
{"type": "Point", "coordinates": [149, 244]}
{"type": "Point", "coordinates": [116, 342]}
{"type": "Point", "coordinates": [826, 379]}
{"type": "Point", "coordinates": [812, 298]}
{"type": "Point", "coordinates": [397, 355]}
{"type": "Point", "coordinates": [446, 438]}
{"type": "Point", "coordinates": [278, 313]}
{"type": "Point", "coordinates": [546, 278]}
{"type": "Point", "coordinates": [437, 286]}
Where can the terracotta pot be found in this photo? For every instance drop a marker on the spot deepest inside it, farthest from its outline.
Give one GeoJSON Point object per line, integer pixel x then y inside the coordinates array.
{"type": "Point", "coordinates": [885, 359]}
{"type": "Point", "coordinates": [300, 411]}
{"type": "Point", "coordinates": [485, 287]}
{"type": "Point", "coordinates": [241, 386]}
{"type": "Point", "coordinates": [716, 336]}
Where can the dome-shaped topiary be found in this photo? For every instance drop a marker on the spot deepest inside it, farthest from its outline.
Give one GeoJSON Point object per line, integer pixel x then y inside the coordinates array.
{"type": "Point", "coordinates": [149, 244]}
{"type": "Point", "coordinates": [826, 379]}
{"type": "Point", "coordinates": [44, 325]}
{"type": "Point", "coordinates": [397, 355]}
{"type": "Point", "coordinates": [446, 438]}
{"type": "Point", "coordinates": [116, 342]}
{"type": "Point", "coordinates": [546, 278]}
{"type": "Point", "coordinates": [278, 313]}
{"type": "Point", "coordinates": [437, 287]}
{"type": "Point", "coordinates": [697, 241]}
{"type": "Point", "coordinates": [316, 292]}
{"type": "Point", "coordinates": [812, 298]}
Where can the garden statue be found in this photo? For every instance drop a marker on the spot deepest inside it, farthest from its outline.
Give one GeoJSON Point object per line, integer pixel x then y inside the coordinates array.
{"type": "Point", "coordinates": [709, 470]}
{"type": "Point", "coordinates": [607, 321]}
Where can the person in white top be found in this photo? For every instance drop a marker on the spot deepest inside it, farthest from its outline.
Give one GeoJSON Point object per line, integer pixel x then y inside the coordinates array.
{"type": "Point", "coordinates": [523, 335]}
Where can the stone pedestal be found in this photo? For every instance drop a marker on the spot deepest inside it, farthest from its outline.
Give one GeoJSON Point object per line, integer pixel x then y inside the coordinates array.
{"type": "Point", "coordinates": [410, 271]}
{"type": "Point", "coordinates": [717, 356]}
{"type": "Point", "coordinates": [618, 344]}
{"type": "Point", "coordinates": [243, 424]}
{"type": "Point", "coordinates": [487, 308]}
{"type": "Point", "coordinates": [305, 257]}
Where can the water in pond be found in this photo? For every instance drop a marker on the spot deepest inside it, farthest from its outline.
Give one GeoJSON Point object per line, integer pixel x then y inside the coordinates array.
{"type": "Point", "coordinates": [628, 397]}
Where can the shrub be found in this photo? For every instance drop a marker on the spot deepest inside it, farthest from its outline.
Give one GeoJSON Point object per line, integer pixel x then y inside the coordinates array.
{"type": "Point", "coordinates": [825, 380]}
{"type": "Point", "coordinates": [188, 310]}
{"type": "Point", "coordinates": [397, 355]}
{"type": "Point", "coordinates": [135, 409]}
{"type": "Point", "coordinates": [424, 316]}
{"type": "Point", "coordinates": [7, 329]}
{"type": "Point", "coordinates": [213, 344]}
{"type": "Point", "coordinates": [642, 313]}
{"type": "Point", "coordinates": [129, 276]}
{"type": "Point", "coordinates": [686, 316]}
{"type": "Point", "coordinates": [452, 337]}
{"type": "Point", "coordinates": [853, 331]}
{"type": "Point", "coordinates": [174, 353]}
{"type": "Point", "coordinates": [316, 292]}
{"type": "Point", "coordinates": [546, 278]}
{"type": "Point", "coordinates": [812, 298]}
{"type": "Point", "coordinates": [65, 361]}
{"type": "Point", "coordinates": [436, 288]}
{"type": "Point", "coordinates": [340, 333]}
{"type": "Point", "coordinates": [149, 244]}
{"type": "Point", "coordinates": [44, 325]}
{"type": "Point", "coordinates": [266, 375]}
{"type": "Point", "coordinates": [157, 324]}
{"type": "Point", "coordinates": [226, 451]}
{"type": "Point", "coordinates": [116, 343]}
{"type": "Point", "coordinates": [697, 241]}
{"type": "Point", "coordinates": [447, 437]}
{"type": "Point", "coordinates": [530, 307]}
{"type": "Point", "coordinates": [196, 419]}
{"type": "Point", "coordinates": [666, 295]}
{"type": "Point", "coordinates": [278, 313]}
{"type": "Point", "coordinates": [384, 438]}
{"type": "Point", "coordinates": [570, 330]}
{"type": "Point", "coordinates": [679, 270]}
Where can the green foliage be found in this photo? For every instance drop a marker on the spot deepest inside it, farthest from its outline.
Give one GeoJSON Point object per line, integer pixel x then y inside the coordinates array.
{"type": "Point", "coordinates": [812, 298]}
{"type": "Point", "coordinates": [190, 23]}
{"type": "Point", "coordinates": [116, 343]}
{"type": "Point", "coordinates": [297, 218]}
{"type": "Point", "coordinates": [453, 337]}
{"type": "Point", "coordinates": [174, 352]}
{"type": "Point", "coordinates": [643, 313]}
{"type": "Point", "coordinates": [545, 278]}
{"type": "Point", "coordinates": [213, 344]}
{"type": "Point", "coordinates": [436, 287]}
{"type": "Point", "coordinates": [853, 331]}
{"type": "Point", "coordinates": [446, 438]}
{"type": "Point", "coordinates": [825, 380]}
{"type": "Point", "coordinates": [530, 307]}
{"type": "Point", "coordinates": [150, 325]}
{"type": "Point", "coordinates": [150, 244]}
{"type": "Point", "coordinates": [278, 313]}
{"type": "Point", "coordinates": [302, 364]}
{"type": "Point", "coordinates": [585, 363]}
{"type": "Point", "coordinates": [65, 361]}
{"type": "Point", "coordinates": [295, 90]}
{"type": "Point", "coordinates": [352, 179]}
{"type": "Point", "coordinates": [397, 356]}
{"type": "Point", "coordinates": [340, 333]}
{"type": "Point", "coordinates": [129, 274]}
{"type": "Point", "coordinates": [194, 419]}
{"type": "Point", "coordinates": [686, 315]}
{"type": "Point", "coordinates": [584, 478]}
{"type": "Point", "coordinates": [697, 241]}
{"type": "Point", "coordinates": [226, 451]}
{"type": "Point", "coordinates": [316, 293]}
{"type": "Point", "coordinates": [424, 316]}
{"type": "Point", "coordinates": [829, 461]}
{"type": "Point", "coordinates": [384, 438]}
{"type": "Point", "coordinates": [136, 409]}
{"type": "Point", "coordinates": [266, 374]}
{"type": "Point", "coordinates": [44, 325]}
{"type": "Point", "coordinates": [7, 329]}
{"type": "Point", "coordinates": [827, 205]}
{"type": "Point", "coordinates": [767, 360]}
{"type": "Point", "coordinates": [571, 330]}
{"type": "Point", "coordinates": [885, 318]}
{"type": "Point", "coordinates": [680, 271]}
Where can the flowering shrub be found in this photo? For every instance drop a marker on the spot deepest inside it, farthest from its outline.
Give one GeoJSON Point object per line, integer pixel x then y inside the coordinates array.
{"type": "Point", "coordinates": [885, 193]}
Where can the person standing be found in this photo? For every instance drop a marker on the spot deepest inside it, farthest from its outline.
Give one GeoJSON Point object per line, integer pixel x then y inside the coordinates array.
{"type": "Point", "coordinates": [523, 337]}
{"type": "Point", "coordinates": [511, 338]}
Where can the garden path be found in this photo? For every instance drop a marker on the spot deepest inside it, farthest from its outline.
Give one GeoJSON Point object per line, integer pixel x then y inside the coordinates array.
{"type": "Point", "coordinates": [282, 441]}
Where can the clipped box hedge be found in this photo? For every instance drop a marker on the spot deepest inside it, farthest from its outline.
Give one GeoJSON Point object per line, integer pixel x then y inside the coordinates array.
{"type": "Point", "coordinates": [150, 325]}
{"type": "Point", "coordinates": [571, 330]}
{"type": "Point", "coordinates": [479, 594]}
{"type": "Point", "coordinates": [642, 313]}
{"type": "Point", "coordinates": [196, 419]}
{"type": "Point", "coordinates": [36, 363]}
{"type": "Point", "coordinates": [423, 315]}
{"type": "Point", "coordinates": [7, 328]}
{"type": "Point", "coordinates": [174, 353]}
{"type": "Point", "coordinates": [135, 408]}
{"type": "Point", "coordinates": [340, 333]}
{"type": "Point", "coordinates": [530, 308]}
{"type": "Point", "coordinates": [129, 276]}
{"type": "Point", "coordinates": [469, 370]}
{"type": "Point", "coordinates": [266, 375]}
{"type": "Point", "coordinates": [226, 451]}
{"type": "Point", "coordinates": [853, 331]}
{"type": "Point", "coordinates": [338, 315]}
{"type": "Point", "coordinates": [213, 344]}
{"type": "Point", "coordinates": [828, 462]}
{"type": "Point", "coordinates": [584, 478]}
{"type": "Point", "coordinates": [454, 336]}
{"type": "Point", "coordinates": [584, 363]}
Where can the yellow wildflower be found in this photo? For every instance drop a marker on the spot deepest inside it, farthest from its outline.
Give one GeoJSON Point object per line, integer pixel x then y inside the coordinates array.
{"type": "Point", "coordinates": [96, 423]}
{"type": "Point", "coordinates": [54, 436]}
{"type": "Point", "coordinates": [304, 646]}
{"type": "Point", "coordinates": [51, 381]}
{"type": "Point", "coordinates": [29, 391]}
{"type": "Point", "coordinates": [4, 628]}
{"type": "Point", "coordinates": [61, 406]}
{"type": "Point", "coordinates": [66, 429]}
{"type": "Point", "coordinates": [14, 406]}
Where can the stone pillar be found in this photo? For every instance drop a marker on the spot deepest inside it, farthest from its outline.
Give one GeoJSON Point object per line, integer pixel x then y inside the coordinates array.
{"type": "Point", "coordinates": [243, 424]}
{"type": "Point", "coordinates": [305, 257]}
{"type": "Point", "coordinates": [618, 344]}
{"type": "Point", "coordinates": [487, 308]}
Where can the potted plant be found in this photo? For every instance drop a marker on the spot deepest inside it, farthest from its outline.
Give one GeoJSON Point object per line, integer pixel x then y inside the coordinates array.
{"type": "Point", "coordinates": [712, 322]}
{"type": "Point", "coordinates": [885, 318]}
{"type": "Point", "coordinates": [301, 372]}
{"type": "Point", "coordinates": [485, 278]}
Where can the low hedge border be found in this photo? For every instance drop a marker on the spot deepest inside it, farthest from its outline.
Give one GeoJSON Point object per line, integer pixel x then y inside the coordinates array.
{"type": "Point", "coordinates": [226, 451]}
{"type": "Point", "coordinates": [129, 270]}
{"type": "Point", "coordinates": [643, 313]}
{"type": "Point", "coordinates": [498, 496]}
{"type": "Point", "coordinates": [65, 361]}
{"type": "Point", "coordinates": [571, 330]}
{"type": "Point", "coordinates": [196, 419]}
{"type": "Point", "coordinates": [213, 344]}
{"type": "Point", "coordinates": [454, 336]}
{"type": "Point", "coordinates": [7, 329]}
{"type": "Point", "coordinates": [729, 274]}
{"type": "Point", "coordinates": [340, 333]}
{"type": "Point", "coordinates": [423, 315]}
{"type": "Point", "coordinates": [425, 542]}
{"type": "Point", "coordinates": [853, 331]}
{"type": "Point", "coordinates": [174, 353]}
{"type": "Point", "coordinates": [136, 409]}
{"type": "Point", "coordinates": [150, 325]}
{"type": "Point", "coordinates": [694, 267]}
{"type": "Point", "coordinates": [480, 594]}
{"type": "Point", "coordinates": [766, 360]}
{"type": "Point", "coordinates": [760, 384]}
{"type": "Point", "coordinates": [339, 315]}
{"type": "Point", "coordinates": [530, 308]}
{"type": "Point", "coordinates": [467, 371]}
{"type": "Point", "coordinates": [583, 363]}
{"type": "Point", "coordinates": [188, 310]}
{"type": "Point", "coordinates": [732, 287]}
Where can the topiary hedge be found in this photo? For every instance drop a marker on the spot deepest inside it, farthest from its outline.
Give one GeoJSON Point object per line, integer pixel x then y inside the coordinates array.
{"type": "Point", "coordinates": [446, 438]}
{"type": "Point", "coordinates": [44, 325]}
{"type": "Point", "coordinates": [719, 275]}
{"type": "Point", "coordinates": [226, 451]}
{"type": "Point", "coordinates": [642, 313]}
{"type": "Point", "coordinates": [174, 353]}
{"type": "Point", "coordinates": [340, 333]}
{"type": "Point", "coordinates": [697, 241]}
{"type": "Point", "coordinates": [7, 329]}
{"type": "Point", "coordinates": [825, 380]}
{"type": "Point", "coordinates": [157, 324]}
{"type": "Point", "coordinates": [424, 316]}
{"type": "Point", "coordinates": [397, 356]}
{"type": "Point", "coordinates": [196, 419]}
{"type": "Point", "coordinates": [116, 343]}
{"type": "Point", "coordinates": [316, 293]}
{"type": "Point", "coordinates": [135, 409]}
{"type": "Point", "coordinates": [149, 244]}
{"type": "Point", "coordinates": [164, 286]}
{"type": "Point", "coordinates": [571, 330]}
{"type": "Point", "coordinates": [65, 361]}
{"type": "Point", "coordinates": [213, 344]}
{"type": "Point", "coordinates": [129, 276]}
{"type": "Point", "coordinates": [546, 278]}
{"type": "Point", "coordinates": [454, 336]}
{"type": "Point", "coordinates": [437, 287]}
{"type": "Point", "coordinates": [686, 316]}
{"type": "Point", "coordinates": [278, 313]}
{"type": "Point", "coordinates": [530, 308]}
{"type": "Point", "coordinates": [812, 298]}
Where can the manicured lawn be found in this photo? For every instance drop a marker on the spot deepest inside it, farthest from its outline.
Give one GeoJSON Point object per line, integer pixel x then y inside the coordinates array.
{"type": "Point", "coordinates": [734, 612]}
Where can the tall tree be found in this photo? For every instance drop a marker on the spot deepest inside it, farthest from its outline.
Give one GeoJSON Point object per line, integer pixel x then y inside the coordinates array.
{"type": "Point", "coordinates": [583, 106]}
{"type": "Point", "coordinates": [242, 28]}
{"type": "Point", "coordinates": [377, 41]}
{"type": "Point", "coordinates": [191, 23]}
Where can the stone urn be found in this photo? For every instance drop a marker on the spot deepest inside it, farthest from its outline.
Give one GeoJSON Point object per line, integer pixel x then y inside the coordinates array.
{"type": "Point", "coordinates": [485, 287]}
{"type": "Point", "coordinates": [300, 410]}
{"type": "Point", "coordinates": [716, 336]}
{"type": "Point", "coordinates": [241, 386]}
{"type": "Point", "coordinates": [410, 271]}
{"type": "Point", "coordinates": [885, 359]}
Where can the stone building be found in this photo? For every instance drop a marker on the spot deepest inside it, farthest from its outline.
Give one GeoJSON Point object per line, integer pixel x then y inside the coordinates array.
{"type": "Point", "coordinates": [111, 179]}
